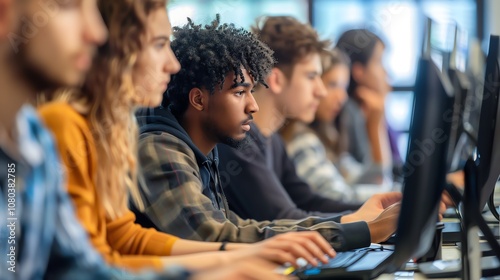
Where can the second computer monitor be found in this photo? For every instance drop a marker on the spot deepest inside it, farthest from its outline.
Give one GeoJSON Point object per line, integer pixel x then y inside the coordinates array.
{"type": "Point", "coordinates": [426, 161]}
{"type": "Point", "coordinates": [488, 142]}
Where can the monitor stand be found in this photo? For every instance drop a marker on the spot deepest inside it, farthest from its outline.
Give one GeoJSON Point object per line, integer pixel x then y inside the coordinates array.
{"type": "Point", "coordinates": [473, 222]}
{"type": "Point", "coordinates": [475, 261]}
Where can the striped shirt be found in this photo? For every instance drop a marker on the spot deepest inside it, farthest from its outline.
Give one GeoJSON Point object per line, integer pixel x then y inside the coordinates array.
{"type": "Point", "coordinates": [310, 158]}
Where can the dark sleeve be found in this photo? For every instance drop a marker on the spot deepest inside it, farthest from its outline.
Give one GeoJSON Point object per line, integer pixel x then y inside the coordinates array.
{"type": "Point", "coordinates": [300, 192]}
{"type": "Point", "coordinates": [254, 191]}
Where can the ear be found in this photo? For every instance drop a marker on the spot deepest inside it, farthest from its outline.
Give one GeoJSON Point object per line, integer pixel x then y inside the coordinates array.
{"type": "Point", "coordinates": [197, 99]}
{"type": "Point", "coordinates": [6, 17]}
{"type": "Point", "coordinates": [276, 81]}
{"type": "Point", "coordinates": [357, 71]}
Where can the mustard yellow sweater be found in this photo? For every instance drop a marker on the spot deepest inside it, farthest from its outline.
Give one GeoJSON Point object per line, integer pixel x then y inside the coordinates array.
{"type": "Point", "coordinates": [121, 242]}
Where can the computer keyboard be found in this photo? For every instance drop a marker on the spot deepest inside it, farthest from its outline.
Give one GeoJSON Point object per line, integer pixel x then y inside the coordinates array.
{"type": "Point", "coordinates": [342, 259]}
{"type": "Point", "coordinates": [359, 263]}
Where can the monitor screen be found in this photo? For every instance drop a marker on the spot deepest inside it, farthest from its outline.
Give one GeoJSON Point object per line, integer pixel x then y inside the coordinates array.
{"type": "Point", "coordinates": [488, 145]}
{"type": "Point", "coordinates": [425, 167]}
{"type": "Point", "coordinates": [460, 49]}
{"type": "Point", "coordinates": [438, 42]}
{"type": "Point", "coordinates": [458, 152]}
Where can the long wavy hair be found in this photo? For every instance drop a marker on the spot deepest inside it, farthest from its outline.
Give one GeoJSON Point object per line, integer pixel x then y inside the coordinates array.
{"type": "Point", "coordinates": [108, 100]}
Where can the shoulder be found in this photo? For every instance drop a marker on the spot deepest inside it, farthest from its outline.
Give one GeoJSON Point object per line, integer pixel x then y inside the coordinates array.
{"type": "Point", "coordinates": [306, 140]}
{"type": "Point", "coordinates": [60, 116]}
{"type": "Point", "coordinates": [163, 145]}
{"type": "Point", "coordinates": [303, 134]}
{"type": "Point", "coordinates": [302, 130]}
{"type": "Point", "coordinates": [70, 129]}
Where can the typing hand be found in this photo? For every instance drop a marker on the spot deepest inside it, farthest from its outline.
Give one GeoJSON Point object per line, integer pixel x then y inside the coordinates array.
{"type": "Point", "coordinates": [385, 224]}
{"type": "Point", "coordinates": [246, 269]}
{"type": "Point", "coordinates": [289, 247]}
{"type": "Point", "coordinates": [373, 207]}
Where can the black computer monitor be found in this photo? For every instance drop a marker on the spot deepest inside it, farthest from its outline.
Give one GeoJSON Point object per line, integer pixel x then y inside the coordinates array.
{"type": "Point", "coordinates": [426, 165]}
{"type": "Point", "coordinates": [488, 141]}
{"type": "Point", "coordinates": [469, 119]}
{"type": "Point", "coordinates": [462, 88]}
{"type": "Point", "coordinates": [424, 171]}
{"type": "Point", "coordinates": [475, 71]}
{"type": "Point", "coordinates": [481, 173]}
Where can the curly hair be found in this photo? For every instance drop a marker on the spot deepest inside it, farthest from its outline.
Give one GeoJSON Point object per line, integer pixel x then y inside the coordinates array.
{"type": "Point", "coordinates": [108, 98]}
{"type": "Point", "coordinates": [290, 40]}
{"type": "Point", "coordinates": [207, 54]}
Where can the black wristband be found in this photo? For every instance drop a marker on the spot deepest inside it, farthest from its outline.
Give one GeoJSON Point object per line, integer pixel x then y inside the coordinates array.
{"type": "Point", "coordinates": [223, 246]}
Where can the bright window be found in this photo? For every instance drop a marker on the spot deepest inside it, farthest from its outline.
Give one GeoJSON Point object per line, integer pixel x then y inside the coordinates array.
{"type": "Point", "coordinates": [242, 13]}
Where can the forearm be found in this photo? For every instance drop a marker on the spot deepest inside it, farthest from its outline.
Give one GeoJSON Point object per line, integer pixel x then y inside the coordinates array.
{"type": "Point", "coordinates": [204, 260]}
{"type": "Point", "coordinates": [184, 247]}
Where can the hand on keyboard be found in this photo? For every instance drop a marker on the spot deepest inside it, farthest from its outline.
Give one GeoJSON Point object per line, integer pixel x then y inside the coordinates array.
{"type": "Point", "coordinates": [343, 259]}
{"type": "Point", "coordinates": [288, 247]}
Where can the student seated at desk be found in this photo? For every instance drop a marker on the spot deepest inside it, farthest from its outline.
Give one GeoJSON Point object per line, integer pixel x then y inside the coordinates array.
{"type": "Point", "coordinates": [210, 101]}
{"type": "Point", "coordinates": [316, 148]}
{"type": "Point", "coordinates": [362, 120]}
{"type": "Point", "coordinates": [96, 136]}
{"type": "Point", "coordinates": [45, 239]}
{"type": "Point", "coordinates": [259, 178]}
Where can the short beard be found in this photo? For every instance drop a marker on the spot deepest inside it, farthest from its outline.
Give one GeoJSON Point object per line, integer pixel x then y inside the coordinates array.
{"type": "Point", "coordinates": [29, 72]}
{"type": "Point", "coordinates": [236, 144]}
{"type": "Point", "coordinates": [219, 137]}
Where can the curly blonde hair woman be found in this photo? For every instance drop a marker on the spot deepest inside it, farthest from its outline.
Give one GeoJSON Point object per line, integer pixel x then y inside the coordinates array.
{"type": "Point", "coordinates": [96, 134]}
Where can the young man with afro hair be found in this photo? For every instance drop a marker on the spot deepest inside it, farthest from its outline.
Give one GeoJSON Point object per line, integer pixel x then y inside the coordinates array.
{"type": "Point", "coordinates": [210, 101]}
{"type": "Point", "coordinates": [268, 177]}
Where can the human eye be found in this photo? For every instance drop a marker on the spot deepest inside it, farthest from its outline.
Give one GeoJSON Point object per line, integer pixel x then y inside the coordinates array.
{"type": "Point", "coordinates": [160, 45]}
{"type": "Point", "coordinates": [68, 4]}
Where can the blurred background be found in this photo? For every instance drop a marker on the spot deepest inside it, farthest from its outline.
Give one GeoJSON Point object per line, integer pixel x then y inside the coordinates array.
{"type": "Point", "coordinates": [399, 23]}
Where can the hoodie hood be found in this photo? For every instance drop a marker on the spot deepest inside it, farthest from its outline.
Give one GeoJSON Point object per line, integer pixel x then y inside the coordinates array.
{"type": "Point", "coordinates": [161, 119]}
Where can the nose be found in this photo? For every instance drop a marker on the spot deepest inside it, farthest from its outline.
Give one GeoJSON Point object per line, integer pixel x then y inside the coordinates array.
{"type": "Point", "coordinates": [94, 30]}
{"type": "Point", "coordinates": [172, 65]}
{"type": "Point", "coordinates": [252, 106]}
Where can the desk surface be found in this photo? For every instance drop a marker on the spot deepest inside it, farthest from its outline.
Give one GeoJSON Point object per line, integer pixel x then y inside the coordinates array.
{"type": "Point", "coordinates": [449, 253]}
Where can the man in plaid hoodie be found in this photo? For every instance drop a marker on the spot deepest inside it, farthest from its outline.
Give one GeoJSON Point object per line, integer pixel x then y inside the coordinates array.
{"type": "Point", "coordinates": [210, 101]}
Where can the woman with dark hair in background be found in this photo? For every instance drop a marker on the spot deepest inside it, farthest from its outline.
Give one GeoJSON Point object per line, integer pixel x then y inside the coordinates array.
{"type": "Point", "coordinates": [362, 120]}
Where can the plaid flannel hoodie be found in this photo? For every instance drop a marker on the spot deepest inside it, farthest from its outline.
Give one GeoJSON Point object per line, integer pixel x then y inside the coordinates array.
{"type": "Point", "coordinates": [183, 195]}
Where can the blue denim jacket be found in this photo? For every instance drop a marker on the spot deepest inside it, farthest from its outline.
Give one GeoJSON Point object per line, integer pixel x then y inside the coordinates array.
{"type": "Point", "coordinates": [40, 236]}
